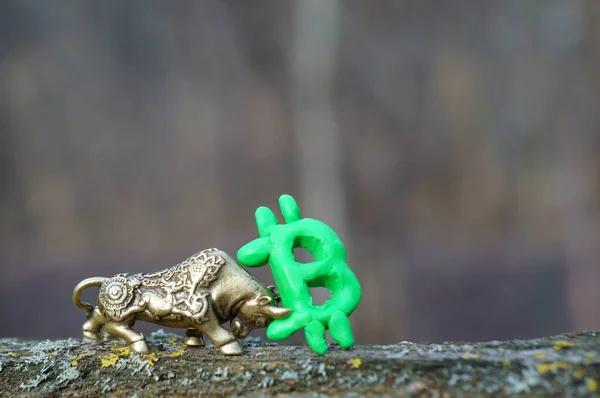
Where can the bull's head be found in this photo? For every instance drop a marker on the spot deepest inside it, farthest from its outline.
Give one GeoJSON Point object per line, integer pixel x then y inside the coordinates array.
{"type": "Point", "coordinates": [256, 313]}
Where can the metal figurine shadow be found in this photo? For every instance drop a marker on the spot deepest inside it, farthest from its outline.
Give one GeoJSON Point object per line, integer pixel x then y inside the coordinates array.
{"type": "Point", "coordinates": [200, 294]}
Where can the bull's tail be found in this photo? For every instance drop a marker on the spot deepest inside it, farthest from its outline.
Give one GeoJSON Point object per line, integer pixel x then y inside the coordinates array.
{"type": "Point", "coordinates": [81, 286]}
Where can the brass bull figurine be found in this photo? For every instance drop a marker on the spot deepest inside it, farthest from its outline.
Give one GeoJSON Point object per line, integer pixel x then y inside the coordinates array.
{"type": "Point", "coordinates": [200, 294]}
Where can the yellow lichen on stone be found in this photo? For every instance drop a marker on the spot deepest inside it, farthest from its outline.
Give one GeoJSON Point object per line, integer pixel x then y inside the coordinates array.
{"type": "Point", "coordinates": [123, 351]}
{"type": "Point", "coordinates": [175, 353]}
{"type": "Point", "coordinates": [579, 373]}
{"type": "Point", "coordinates": [469, 356]}
{"type": "Point", "coordinates": [544, 368]}
{"type": "Point", "coordinates": [590, 355]}
{"type": "Point", "coordinates": [51, 354]}
{"type": "Point", "coordinates": [112, 359]}
{"type": "Point", "coordinates": [76, 358]}
{"type": "Point", "coordinates": [172, 340]}
{"type": "Point", "coordinates": [152, 359]}
{"type": "Point", "coordinates": [592, 385]}
{"type": "Point", "coordinates": [11, 354]}
{"type": "Point", "coordinates": [356, 362]}
{"type": "Point", "coordinates": [109, 360]}
{"type": "Point", "coordinates": [562, 344]}
{"type": "Point", "coordinates": [506, 362]}
{"type": "Point", "coordinates": [539, 356]}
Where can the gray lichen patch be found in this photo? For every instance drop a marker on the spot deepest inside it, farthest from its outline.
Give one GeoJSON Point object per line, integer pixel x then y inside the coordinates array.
{"type": "Point", "coordinates": [566, 364]}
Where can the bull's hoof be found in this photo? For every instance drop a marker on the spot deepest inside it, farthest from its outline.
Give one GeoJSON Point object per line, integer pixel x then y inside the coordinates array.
{"type": "Point", "coordinates": [140, 347]}
{"type": "Point", "coordinates": [194, 341]}
{"type": "Point", "coordinates": [233, 348]}
{"type": "Point", "coordinates": [92, 335]}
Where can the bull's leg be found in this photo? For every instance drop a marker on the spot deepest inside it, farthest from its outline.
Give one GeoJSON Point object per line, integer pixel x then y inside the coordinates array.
{"type": "Point", "coordinates": [194, 338]}
{"type": "Point", "coordinates": [136, 340]}
{"type": "Point", "coordinates": [91, 328]}
{"type": "Point", "coordinates": [224, 340]}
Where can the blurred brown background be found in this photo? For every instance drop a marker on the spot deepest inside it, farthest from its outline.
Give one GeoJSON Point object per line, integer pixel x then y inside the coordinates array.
{"type": "Point", "coordinates": [455, 147]}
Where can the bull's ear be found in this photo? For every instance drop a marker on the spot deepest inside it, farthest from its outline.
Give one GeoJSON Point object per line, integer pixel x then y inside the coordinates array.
{"type": "Point", "coordinates": [263, 300]}
{"type": "Point", "coordinates": [275, 312]}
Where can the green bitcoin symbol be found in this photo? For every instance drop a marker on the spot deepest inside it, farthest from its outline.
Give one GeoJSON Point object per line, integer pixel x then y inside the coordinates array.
{"type": "Point", "coordinates": [276, 246]}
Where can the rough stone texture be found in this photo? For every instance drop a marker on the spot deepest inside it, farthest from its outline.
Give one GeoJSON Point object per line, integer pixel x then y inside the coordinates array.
{"type": "Point", "coordinates": [564, 365]}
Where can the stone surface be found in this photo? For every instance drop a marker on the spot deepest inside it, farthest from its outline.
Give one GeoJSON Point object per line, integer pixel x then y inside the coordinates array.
{"type": "Point", "coordinates": [564, 365]}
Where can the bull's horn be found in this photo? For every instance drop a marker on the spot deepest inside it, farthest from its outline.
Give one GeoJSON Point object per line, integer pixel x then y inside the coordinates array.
{"type": "Point", "coordinates": [275, 312]}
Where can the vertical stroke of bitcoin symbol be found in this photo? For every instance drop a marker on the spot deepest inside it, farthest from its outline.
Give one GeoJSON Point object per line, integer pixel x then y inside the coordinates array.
{"type": "Point", "coordinates": [275, 246]}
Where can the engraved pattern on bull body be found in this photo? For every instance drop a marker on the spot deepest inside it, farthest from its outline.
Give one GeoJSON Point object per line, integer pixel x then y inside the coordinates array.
{"type": "Point", "coordinates": [171, 294]}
